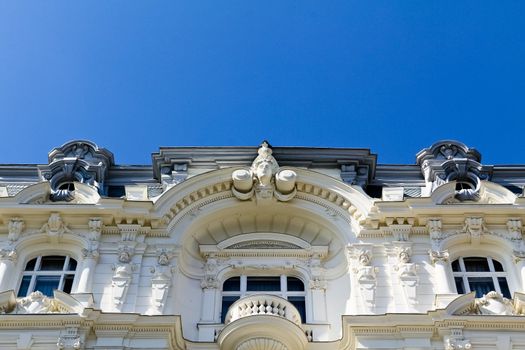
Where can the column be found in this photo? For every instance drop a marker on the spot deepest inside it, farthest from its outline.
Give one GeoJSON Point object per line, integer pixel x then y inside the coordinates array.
{"type": "Point", "coordinates": [88, 271]}
{"type": "Point", "coordinates": [7, 266]}
{"type": "Point", "coordinates": [520, 265]}
{"type": "Point", "coordinates": [441, 267]}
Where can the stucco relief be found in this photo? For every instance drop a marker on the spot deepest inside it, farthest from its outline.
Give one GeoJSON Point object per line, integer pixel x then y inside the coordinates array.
{"type": "Point", "coordinates": [55, 227]}
{"type": "Point", "coordinates": [364, 272]}
{"type": "Point", "coordinates": [15, 228]}
{"type": "Point", "coordinates": [264, 179]}
{"type": "Point", "coordinates": [406, 270]}
{"type": "Point", "coordinates": [123, 273]}
{"type": "Point", "coordinates": [160, 281]}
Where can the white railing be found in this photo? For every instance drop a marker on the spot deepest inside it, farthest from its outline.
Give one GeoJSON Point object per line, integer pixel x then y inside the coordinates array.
{"type": "Point", "coordinates": [263, 304]}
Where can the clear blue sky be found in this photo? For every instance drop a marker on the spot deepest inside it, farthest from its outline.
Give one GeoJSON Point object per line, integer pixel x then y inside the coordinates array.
{"type": "Point", "coordinates": [392, 76]}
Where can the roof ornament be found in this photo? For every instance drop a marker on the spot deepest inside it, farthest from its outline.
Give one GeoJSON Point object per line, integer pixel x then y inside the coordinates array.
{"type": "Point", "coordinates": [76, 161]}
{"type": "Point", "coordinates": [447, 161]}
{"type": "Point", "coordinates": [264, 179]}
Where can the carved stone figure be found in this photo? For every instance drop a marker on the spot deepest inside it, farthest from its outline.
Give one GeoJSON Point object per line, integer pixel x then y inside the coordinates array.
{"type": "Point", "coordinates": [160, 282]}
{"type": "Point", "coordinates": [55, 227]}
{"type": "Point", "coordinates": [264, 179]}
{"type": "Point", "coordinates": [123, 273]}
{"type": "Point", "coordinates": [514, 229]}
{"type": "Point", "coordinates": [36, 303]}
{"type": "Point", "coordinates": [210, 274]}
{"type": "Point", "coordinates": [15, 228]}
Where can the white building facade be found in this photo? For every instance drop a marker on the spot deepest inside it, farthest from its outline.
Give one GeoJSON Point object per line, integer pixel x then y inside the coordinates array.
{"type": "Point", "coordinates": [262, 248]}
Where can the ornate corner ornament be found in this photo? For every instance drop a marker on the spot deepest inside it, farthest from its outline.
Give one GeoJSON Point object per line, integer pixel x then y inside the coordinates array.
{"type": "Point", "coordinates": [264, 179]}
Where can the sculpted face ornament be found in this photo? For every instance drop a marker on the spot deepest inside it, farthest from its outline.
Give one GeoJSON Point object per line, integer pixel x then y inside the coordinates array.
{"type": "Point", "coordinates": [264, 179]}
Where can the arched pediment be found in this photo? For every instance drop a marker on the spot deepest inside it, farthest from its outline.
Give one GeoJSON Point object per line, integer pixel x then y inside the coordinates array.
{"type": "Point", "coordinates": [39, 194]}
{"type": "Point", "coordinates": [38, 303]}
{"type": "Point", "coordinates": [264, 240]}
{"type": "Point", "coordinates": [490, 193]}
{"type": "Point", "coordinates": [349, 201]}
{"type": "Point", "coordinates": [492, 303]}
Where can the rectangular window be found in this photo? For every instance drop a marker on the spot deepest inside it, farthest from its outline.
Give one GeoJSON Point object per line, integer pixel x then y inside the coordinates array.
{"type": "Point", "coordinates": [263, 284]}
{"type": "Point", "coordinates": [481, 285]}
{"type": "Point", "coordinates": [52, 263]}
{"type": "Point", "coordinates": [475, 264]}
{"type": "Point", "coordinates": [46, 284]}
{"type": "Point", "coordinates": [459, 285]}
{"type": "Point", "coordinates": [300, 305]}
{"type": "Point", "coordinates": [227, 301]}
{"type": "Point", "coordinates": [24, 286]}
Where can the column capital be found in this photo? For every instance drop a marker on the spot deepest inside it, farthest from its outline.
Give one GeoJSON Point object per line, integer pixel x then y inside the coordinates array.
{"type": "Point", "coordinates": [8, 253]}
{"type": "Point", "coordinates": [438, 256]}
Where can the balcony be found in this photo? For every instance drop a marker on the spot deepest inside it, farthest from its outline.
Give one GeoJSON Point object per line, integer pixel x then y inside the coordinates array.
{"type": "Point", "coordinates": [262, 319]}
{"type": "Point", "coordinates": [263, 304]}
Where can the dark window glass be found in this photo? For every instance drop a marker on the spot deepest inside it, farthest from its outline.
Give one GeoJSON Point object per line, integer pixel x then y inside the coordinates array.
{"type": "Point", "coordinates": [300, 305]}
{"type": "Point", "coordinates": [30, 266]}
{"type": "Point", "coordinates": [455, 266]}
{"type": "Point", "coordinates": [263, 284]}
{"type": "Point", "coordinates": [475, 264]}
{"type": "Point", "coordinates": [67, 186]}
{"type": "Point", "coordinates": [295, 284]}
{"type": "Point", "coordinates": [459, 285]}
{"type": "Point", "coordinates": [24, 286]}
{"type": "Point", "coordinates": [52, 263]}
{"type": "Point", "coordinates": [504, 287]}
{"type": "Point", "coordinates": [46, 284]}
{"type": "Point", "coordinates": [72, 265]}
{"type": "Point", "coordinates": [68, 283]}
{"type": "Point", "coordinates": [116, 191]}
{"type": "Point", "coordinates": [481, 285]}
{"type": "Point", "coordinates": [227, 301]}
{"type": "Point", "coordinates": [497, 266]}
{"type": "Point", "coordinates": [232, 284]}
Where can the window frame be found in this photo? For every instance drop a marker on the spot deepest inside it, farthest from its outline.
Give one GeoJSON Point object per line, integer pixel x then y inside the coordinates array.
{"type": "Point", "coordinates": [35, 272]}
{"type": "Point", "coordinates": [492, 273]}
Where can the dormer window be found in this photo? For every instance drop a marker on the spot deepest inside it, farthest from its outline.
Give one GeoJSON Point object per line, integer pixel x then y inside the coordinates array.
{"type": "Point", "coordinates": [47, 273]}
{"type": "Point", "coordinates": [480, 275]}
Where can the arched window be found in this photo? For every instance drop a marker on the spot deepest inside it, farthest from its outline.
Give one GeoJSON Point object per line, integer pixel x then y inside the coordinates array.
{"type": "Point", "coordinates": [47, 273]}
{"type": "Point", "coordinates": [480, 275]}
{"type": "Point", "coordinates": [290, 288]}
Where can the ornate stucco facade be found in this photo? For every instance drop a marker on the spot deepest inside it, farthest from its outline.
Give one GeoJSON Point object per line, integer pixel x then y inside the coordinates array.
{"type": "Point", "coordinates": [261, 248]}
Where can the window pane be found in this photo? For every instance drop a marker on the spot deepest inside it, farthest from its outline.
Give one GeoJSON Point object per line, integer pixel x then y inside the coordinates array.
{"type": "Point", "coordinates": [455, 266]}
{"type": "Point", "coordinates": [481, 285]}
{"type": "Point", "coordinates": [68, 283]}
{"type": "Point", "coordinates": [264, 284]}
{"type": "Point", "coordinates": [497, 266]}
{"type": "Point", "coordinates": [300, 305]}
{"type": "Point", "coordinates": [24, 286]}
{"type": "Point", "coordinates": [295, 285]}
{"type": "Point", "coordinates": [52, 263]}
{"type": "Point", "coordinates": [30, 266]}
{"type": "Point", "coordinates": [46, 284]}
{"type": "Point", "coordinates": [475, 264]}
{"type": "Point", "coordinates": [459, 285]}
{"type": "Point", "coordinates": [232, 284]}
{"type": "Point", "coordinates": [504, 287]}
{"type": "Point", "coordinates": [72, 264]}
{"type": "Point", "coordinates": [227, 301]}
